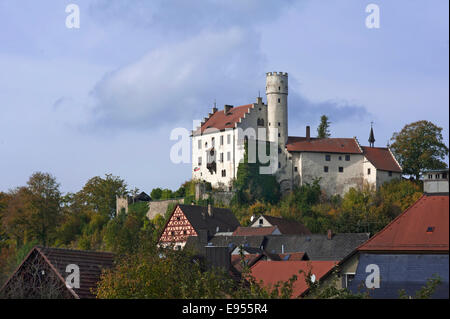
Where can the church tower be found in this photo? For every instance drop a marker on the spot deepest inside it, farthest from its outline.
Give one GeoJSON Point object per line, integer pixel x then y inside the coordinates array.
{"type": "Point", "coordinates": [277, 113]}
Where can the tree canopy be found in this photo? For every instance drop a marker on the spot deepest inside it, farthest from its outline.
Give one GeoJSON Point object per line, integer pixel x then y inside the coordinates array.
{"type": "Point", "coordinates": [419, 146]}
{"type": "Point", "coordinates": [323, 131]}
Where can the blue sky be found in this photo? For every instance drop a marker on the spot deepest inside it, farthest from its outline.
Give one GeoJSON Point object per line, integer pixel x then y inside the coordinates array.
{"type": "Point", "coordinates": [104, 98]}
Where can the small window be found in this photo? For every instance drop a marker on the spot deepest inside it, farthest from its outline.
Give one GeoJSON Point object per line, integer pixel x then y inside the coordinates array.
{"type": "Point", "coordinates": [437, 176]}
{"type": "Point", "coordinates": [279, 165]}
{"type": "Point", "coordinates": [390, 173]}
{"type": "Point", "coordinates": [368, 171]}
{"type": "Point", "coordinates": [184, 232]}
{"type": "Point", "coordinates": [213, 142]}
{"type": "Point", "coordinates": [348, 278]}
{"type": "Point", "coordinates": [279, 88]}
{"type": "Point", "coordinates": [279, 100]}
{"type": "Point", "coordinates": [224, 173]}
{"type": "Point", "coordinates": [199, 161]}
{"type": "Point", "coordinates": [279, 135]}
{"type": "Point", "coordinates": [261, 221]}
{"type": "Point", "coordinates": [295, 169]}
{"type": "Point", "coordinates": [228, 156]}
{"type": "Point", "coordinates": [172, 233]}
{"type": "Point", "coordinates": [199, 144]}
{"type": "Point", "coordinates": [347, 157]}
{"type": "Point", "coordinates": [430, 229]}
{"type": "Point", "coordinates": [328, 158]}
{"type": "Point", "coordinates": [341, 169]}
{"type": "Point", "coordinates": [221, 140]}
{"type": "Point", "coordinates": [228, 138]}
{"type": "Point", "coordinates": [444, 175]}
{"type": "Point", "coordinates": [430, 176]}
{"type": "Point", "coordinates": [279, 150]}
{"type": "Point", "coordinates": [325, 169]}
{"type": "Point", "coordinates": [206, 144]}
{"type": "Point", "coordinates": [221, 157]}
{"type": "Point", "coordinates": [178, 217]}
{"type": "Point", "coordinates": [279, 123]}
{"type": "Point", "coordinates": [340, 158]}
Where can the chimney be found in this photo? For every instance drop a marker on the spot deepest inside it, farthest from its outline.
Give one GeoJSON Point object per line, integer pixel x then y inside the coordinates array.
{"type": "Point", "coordinates": [214, 109]}
{"type": "Point", "coordinates": [308, 133]}
{"type": "Point", "coordinates": [210, 213]}
{"type": "Point", "coordinates": [329, 234]}
{"type": "Point", "coordinates": [282, 249]}
{"type": "Point", "coordinates": [227, 108]}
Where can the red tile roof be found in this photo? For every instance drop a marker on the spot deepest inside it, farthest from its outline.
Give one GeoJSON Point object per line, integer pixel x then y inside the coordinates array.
{"type": "Point", "coordinates": [328, 145]}
{"type": "Point", "coordinates": [250, 259]}
{"type": "Point", "coordinates": [381, 158]}
{"type": "Point", "coordinates": [220, 121]}
{"type": "Point", "coordinates": [254, 231]}
{"type": "Point", "coordinates": [408, 232]}
{"type": "Point", "coordinates": [270, 272]}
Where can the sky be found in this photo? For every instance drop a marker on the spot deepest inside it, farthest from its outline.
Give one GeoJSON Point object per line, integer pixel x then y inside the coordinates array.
{"type": "Point", "coordinates": [104, 98]}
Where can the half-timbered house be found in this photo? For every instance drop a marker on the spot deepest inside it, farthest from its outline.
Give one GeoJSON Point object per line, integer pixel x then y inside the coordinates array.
{"type": "Point", "coordinates": [193, 220]}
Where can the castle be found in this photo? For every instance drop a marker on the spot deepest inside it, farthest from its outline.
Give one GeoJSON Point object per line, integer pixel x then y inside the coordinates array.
{"type": "Point", "coordinates": [341, 163]}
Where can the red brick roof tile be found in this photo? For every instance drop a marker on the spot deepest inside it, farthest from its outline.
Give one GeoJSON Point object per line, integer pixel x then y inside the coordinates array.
{"type": "Point", "coordinates": [270, 272]}
{"type": "Point", "coordinates": [408, 232]}
{"type": "Point", "coordinates": [328, 145]}
{"type": "Point", "coordinates": [381, 158]}
{"type": "Point", "coordinates": [220, 121]}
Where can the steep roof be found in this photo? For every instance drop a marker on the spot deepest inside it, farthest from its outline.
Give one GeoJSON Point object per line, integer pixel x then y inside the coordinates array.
{"type": "Point", "coordinates": [90, 263]}
{"type": "Point", "coordinates": [409, 231]}
{"type": "Point", "coordinates": [270, 272]}
{"type": "Point", "coordinates": [325, 145]}
{"type": "Point", "coordinates": [222, 218]}
{"type": "Point", "coordinates": [254, 231]}
{"type": "Point", "coordinates": [287, 227]}
{"type": "Point", "coordinates": [381, 158]}
{"type": "Point", "coordinates": [220, 121]}
{"type": "Point", "coordinates": [316, 246]}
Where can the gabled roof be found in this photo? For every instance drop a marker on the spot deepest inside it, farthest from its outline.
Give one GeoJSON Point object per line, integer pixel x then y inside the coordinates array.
{"type": "Point", "coordinates": [270, 272]}
{"type": "Point", "coordinates": [90, 263]}
{"type": "Point", "coordinates": [222, 218]}
{"type": "Point", "coordinates": [323, 145]}
{"type": "Point", "coordinates": [254, 231]}
{"type": "Point", "coordinates": [317, 246]}
{"type": "Point", "coordinates": [381, 158]}
{"type": "Point", "coordinates": [220, 121]}
{"type": "Point", "coordinates": [408, 232]}
{"type": "Point", "coordinates": [287, 227]}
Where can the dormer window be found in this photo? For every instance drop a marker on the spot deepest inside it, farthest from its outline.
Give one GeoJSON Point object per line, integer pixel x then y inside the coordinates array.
{"type": "Point", "coordinates": [430, 229]}
{"type": "Point", "coordinates": [261, 221]}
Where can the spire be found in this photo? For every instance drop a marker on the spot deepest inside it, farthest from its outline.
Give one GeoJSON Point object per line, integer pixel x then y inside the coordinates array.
{"type": "Point", "coordinates": [371, 137]}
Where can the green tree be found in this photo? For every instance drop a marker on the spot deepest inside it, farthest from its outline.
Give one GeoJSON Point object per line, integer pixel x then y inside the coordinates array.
{"type": "Point", "coordinates": [156, 193]}
{"type": "Point", "coordinates": [419, 146]}
{"type": "Point", "coordinates": [323, 129]}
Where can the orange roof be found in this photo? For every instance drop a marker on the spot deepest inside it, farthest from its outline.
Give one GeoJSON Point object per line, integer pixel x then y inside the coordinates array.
{"type": "Point", "coordinates": [271, 272]}
{"type": "Point", "coordinates": [329, 145]}
{"type": "Point", "coordinates": [220, 121]}
{"type": "Point", "coordinates": [381, 158]}
{"type": "Point", "coordinates": [254, 231]}
{"type": "Point", "coordinates": [422, 227]}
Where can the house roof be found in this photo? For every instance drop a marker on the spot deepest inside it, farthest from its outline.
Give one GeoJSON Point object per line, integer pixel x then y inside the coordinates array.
{"type": "Point", "coordinates": [408, 232]}
{"type": "Point", "coordinates": [286, 226]}
{"type": "Point", "coordinates": [326, 145]}
{"type": "Point", "coordinates": [220, 121]}
{"type": "Point", "coordinates": [381, 158]}
{"type": "Point", "coordinates": [200, 220]}
{"type": "Point", "coordinates": [254, 231]}
{"type": "Point", "coordinates": [270, 272]}
{"type": "Point", "coordinates": [90, 263]}
{"type": "Point", "coordinates": [316, 246]}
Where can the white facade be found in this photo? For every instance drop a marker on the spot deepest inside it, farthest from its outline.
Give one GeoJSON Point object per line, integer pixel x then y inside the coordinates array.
{"type": "Point", "coordinates": [225, 148]}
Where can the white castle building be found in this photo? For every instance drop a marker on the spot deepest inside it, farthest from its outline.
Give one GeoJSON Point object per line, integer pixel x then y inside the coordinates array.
{"type": "Point", "coordinates": [341, 163]}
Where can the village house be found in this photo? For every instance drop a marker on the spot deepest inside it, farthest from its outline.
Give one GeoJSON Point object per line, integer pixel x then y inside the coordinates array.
{"type": "Point", "coordinates": [44, 271]}
{"type": "Point", "coordinates": [407, 252]}
{"type": "Point", "coordinates": [340, 163]}
{"type": "Point", "coordinates": [193, 220]}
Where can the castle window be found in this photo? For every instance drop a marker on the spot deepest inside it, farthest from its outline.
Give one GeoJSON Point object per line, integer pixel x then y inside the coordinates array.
{"type": "Point", "coordinates": [200, 161]}
{"type": "Point", "coordinates": [260, 109]}
{"type": "Point", "coordinates": [279, 88]}
{"type": "Point", "coordinates": [260, 122]}
{"type": "Point", "coordinates": [340, 158]}
{"type": "Point", "coordinates": [213, 142]}
{"type": "Point", "coordinates": [279, 135]}
{"type": "Point", "coordinates": [341, 169]}
{"type": "Point", "coordinates": [228, 156]}
{"type": "Point", "coordinates": [199, 144]}
{"type": "Point", "coordinates": [206, 144]}
{"type": "Point", "coordinates": [279, 123]}
{"type": "Point", "coordinates": [347, 157]}
{"type": "Point", "coordinates": [444, 175]}
{"type": "Point", "coordinates": [430, 176]}
{"type": "Point", "coordinates": [279, 150]}
{"type": "Point", "coordinates": [390, 173]}
{"type": "Point", "coordinates": [224, 173]}
{"type": "Point", "coordinates": [328, 158]}
{"type": "Point", "coordinates": [279, 100]}
{"type": "Point", "coordinates": [295, 169]}
{"type": "Point", "coordinates": [279, 165]}
{"type": "Point", "coordinates": [221, 140]}
{"type": "Point", "coordinates": [368, 171]}
{"type": "Point", "coordinates": [228, 138]}
{"type": "Point", "coordinates": [325, 169]}
{"type": "Point", "coordinates": [221, 157]}
{"type": "Point", "coordinates": [437, 176]}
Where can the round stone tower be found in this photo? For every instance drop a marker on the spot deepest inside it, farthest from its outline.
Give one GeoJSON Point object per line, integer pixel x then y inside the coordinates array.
{"type": "Point", "coordinates": [277, 112]}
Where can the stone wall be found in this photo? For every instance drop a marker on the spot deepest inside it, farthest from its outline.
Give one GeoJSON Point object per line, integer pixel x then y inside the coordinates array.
{"type": "Point", "coordinates": [159, 207]}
